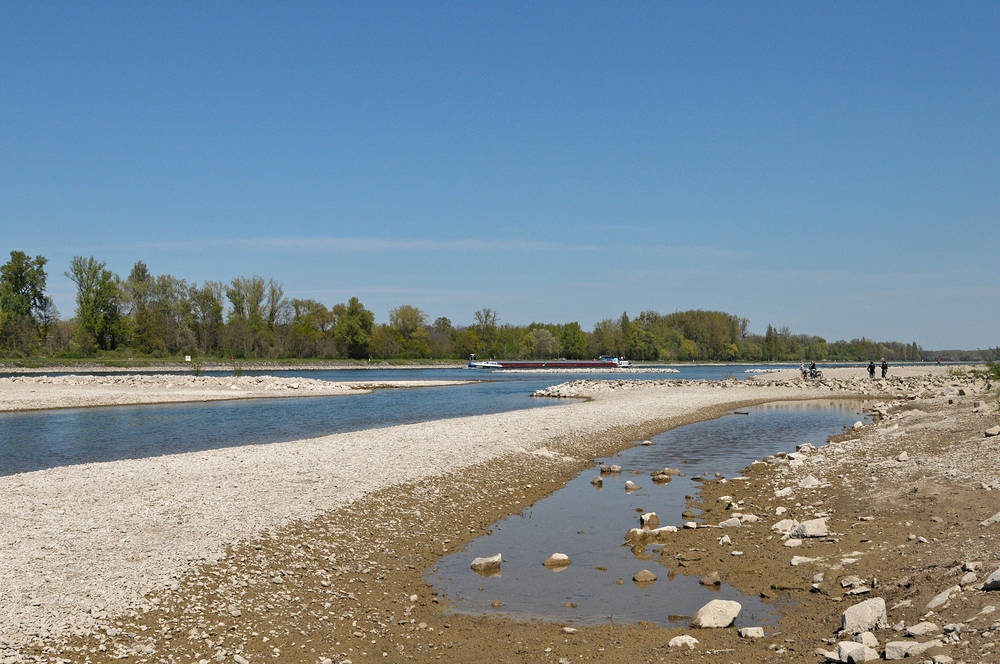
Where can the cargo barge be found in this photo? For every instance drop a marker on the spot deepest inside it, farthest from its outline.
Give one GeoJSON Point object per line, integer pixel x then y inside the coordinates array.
{"type": "Point", "coordinates": [603, 363]}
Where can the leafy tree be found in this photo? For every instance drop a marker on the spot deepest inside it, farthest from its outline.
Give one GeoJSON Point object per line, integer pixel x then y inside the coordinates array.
{"type": "Point", "coordinates": [573, 340]}
{"type": "Point", "coordinates": [25, 311]}
{"type": "Point", "coordinates": [353, 330]}
{"type": "Point", "coordinates": [98, 297]}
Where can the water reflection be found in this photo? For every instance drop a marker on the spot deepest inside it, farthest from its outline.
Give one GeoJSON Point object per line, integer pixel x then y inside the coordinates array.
{"type": "Point", "coordinates": [588, 523]}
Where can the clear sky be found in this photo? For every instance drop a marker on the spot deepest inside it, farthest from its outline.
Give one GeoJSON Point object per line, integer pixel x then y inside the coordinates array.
{"type": "Point", "coordinates": [832, 167]}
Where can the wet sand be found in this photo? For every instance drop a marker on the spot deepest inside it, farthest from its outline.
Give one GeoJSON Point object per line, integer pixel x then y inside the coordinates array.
{"type": "Point", "coordinates": [320, 545]}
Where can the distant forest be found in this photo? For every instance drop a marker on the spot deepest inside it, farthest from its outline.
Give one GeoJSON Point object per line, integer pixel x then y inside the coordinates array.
{"type": "Point", "coordinates": [161, 316]}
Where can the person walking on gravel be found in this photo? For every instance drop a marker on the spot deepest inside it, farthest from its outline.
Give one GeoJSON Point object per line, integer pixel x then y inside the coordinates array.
{"type": "Point", "coordinates": [871, 370]}
{"type": "Point", "coordinates": [885, 368]}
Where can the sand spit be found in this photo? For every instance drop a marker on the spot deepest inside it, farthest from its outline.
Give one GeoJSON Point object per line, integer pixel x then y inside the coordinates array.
{"type": "Point", "coordinates": [87, 547]}
{"type": "Point", "coordinates": [18, 393]}
{"type": "Point", "coordinates": [101, 535]}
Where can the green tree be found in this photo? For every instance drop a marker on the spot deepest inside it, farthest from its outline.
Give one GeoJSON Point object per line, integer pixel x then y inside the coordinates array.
{"type": "Point", "coordinates": [25, 311]}
{"type": "Point", "coordinates": [353, 329]}
{"type": "Point", "coordinates": [98, 297]}
{"type": "Point", "coordinates": [573, 340]}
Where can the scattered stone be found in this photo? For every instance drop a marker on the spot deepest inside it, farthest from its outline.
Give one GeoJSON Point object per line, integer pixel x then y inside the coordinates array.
{"type": "Point", "coordinates": [809, 482]}
{"type": "Point", "coordinates": [731, 523]}
{"type": "Point", "coordinates": [968, 579]}
{"type": "Point", "coordinates": [712, 579]}
{"type": "Point", "coordinates": [859, 425]}
{"type": "Point", "coordinates": [990, 521]}
{"type": "Point", "coordinates": [918, 649]}
{"type": "Point", "coordinates": [751, 632]}
{"type": "Point", "coordinates": [487, 565]}
{"type": "Point", "coordinates": [749, 518]}
{"type": "Point", "coordinates": [569, 630]}
{"type": "Point", "coordinates": [631, 486]}
{"type": "Point", "coordinates": [598, 481]}
{"type": "Point", "coordinates": [992, 582]}
{"type": "Point", "coordinates": [557, 560]}
{"type": "Point", "coordinates": [944, 597]}
{"type": "Point", "coordinates": [850, 651]}
{"type": "Point", "coordinates": [810, 528]}
{"type": "Point", "coordinates": [792, 542]}
{"type": "Point", "coordinates": [941, 659]}
{"type": "Point", "coordinates": [866, 638]}
{"type": "Point", "coordinates": [785, 526]}
{"type": "Point", "coordinates": [865, 617]}
{"type": "Point", "coordinates": [717, 613]}
{"type": "Point", "coordinates": [903, 456]}
{"type": "Point", "coordinates": [923, 629]}
{"type": "Point", "coordinates": [897, 649]}
{"type": "Point", "coordinates": [649, 520]}
{"type": "Point", "coordinates": [690, 525]}
{"type": "Point", "coordinates": [647, 443]}
{"type": "Point", "coordinates": [644, 576]}
{"type": "Point", "coordinates": [802, 560]}
{"type": "Point", "coordinates": [993, 431]}
{"type": "Point", "coordinates": [684, 640]}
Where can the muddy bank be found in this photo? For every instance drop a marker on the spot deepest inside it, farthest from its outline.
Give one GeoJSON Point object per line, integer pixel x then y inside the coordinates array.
{"type": "Point", "coordinates": [344, 580]}
{"type": "Point", "coordinates": [20, 393]}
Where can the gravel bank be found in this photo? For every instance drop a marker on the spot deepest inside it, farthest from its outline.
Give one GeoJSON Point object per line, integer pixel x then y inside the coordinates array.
{"type": "Point", "coordinates": [18, 393]}
{"type": "Point", "coordinates": [85, 543]}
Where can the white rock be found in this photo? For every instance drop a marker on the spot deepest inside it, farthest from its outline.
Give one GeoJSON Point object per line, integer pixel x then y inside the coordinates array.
{"type": "Point", "coordinates": [918, 649]}
{"type": "Point", "coordinates": [990, 521]}
{"type": "Point", "coordinates": [849, 651]}
{"type": "Point", "coordinates": [943, 597]}
{"type": "Point", "coordinates": [780, 510]}
{"type": "Point", "coordinates": [802, 560]}
{"type": "Point", "coordinates": [923, 629]}
{"type": "Point", "coordinates": [731, 523]}
{"type": "Point", "coordinates": [792, 543]}
{"type": "Point", "coordinates": [749, 518]}
{"type": "Point", "coordinates": [865, 616]}
{"type": "Point", "coordinates": [751, 632]}
{"type": "Point", "coordinates": [631, 486]}
{"type": "Point", "coordinates": [993, 431]}
{"type": "Point", "coordinates": [649, 520]}
{"type": "Point", "coordinates": [785, 526]}
{"type": "Point", "coordinates": [992, 582]}
{"type": "Point", "coordinates": [866, 638]}
{"type": "Point", "coordinates": [859, 424]}
{"type": "Point", "coordinates": [644, 576]}
{"type": "Point", "coordinates": [684, 640]}
{"type": "Point", "coordinates": [903, 456]}
{"type": "Point", "coordinates": [717, 613]}
{"type": "Point", "coordinates": [783, 493]}
{"type": "Point", "coordinates": [557, 560]}
{"type": "Point", "coordinates": [967, 579]}
{"type": "Point", "coordinates": [897, 649]}
{"type": "Point", "coordinates": [809, 482]}
{"type": "Point", "coordinates": [810, 528]}
{"type": "Point", "coordinates": [690, 525]}
{"type": "Point", "coordinates": [489, 564]}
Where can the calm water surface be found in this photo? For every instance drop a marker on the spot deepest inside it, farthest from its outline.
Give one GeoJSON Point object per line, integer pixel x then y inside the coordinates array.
{"type": "Point", "coordinates": [589, 525]}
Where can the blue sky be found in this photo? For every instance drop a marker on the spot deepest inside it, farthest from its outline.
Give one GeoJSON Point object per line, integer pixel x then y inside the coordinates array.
{"type": "Point", "coordinates": [832, 167]}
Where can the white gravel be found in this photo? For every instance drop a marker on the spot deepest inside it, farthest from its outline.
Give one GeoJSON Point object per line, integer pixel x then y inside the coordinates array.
{"type": "Point", "coordinates": [80, 541]}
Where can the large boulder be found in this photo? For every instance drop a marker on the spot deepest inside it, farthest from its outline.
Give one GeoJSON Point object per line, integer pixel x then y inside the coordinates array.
{"type": "Point", "coordinates": [865, 617]}
{"type": "Point", "coordinates": [717, 613]}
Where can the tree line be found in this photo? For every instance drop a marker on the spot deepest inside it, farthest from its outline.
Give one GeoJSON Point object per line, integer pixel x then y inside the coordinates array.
{"type": "Point", "coordinates": [163, 316]}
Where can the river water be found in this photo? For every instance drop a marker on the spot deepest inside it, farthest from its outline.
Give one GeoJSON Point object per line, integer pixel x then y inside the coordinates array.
{"type": "Point", "coordinates": [589, 525]}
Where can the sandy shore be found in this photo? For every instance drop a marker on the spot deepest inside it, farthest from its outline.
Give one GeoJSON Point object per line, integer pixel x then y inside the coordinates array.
{"type": "Point", "coordinates": [47, 392]}
{"type": "Point", "coordinates": [92, 550]}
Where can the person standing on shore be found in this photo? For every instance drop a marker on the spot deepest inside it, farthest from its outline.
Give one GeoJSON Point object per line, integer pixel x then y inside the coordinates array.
{"type": "Point", "coordinates": [885, 368]}
{"type": "Point", "coordinates": [939, 360]}
{"type": "Point", "coordinates": [871, 370]}
{"type": "Point", "coordinates": [802, 370]}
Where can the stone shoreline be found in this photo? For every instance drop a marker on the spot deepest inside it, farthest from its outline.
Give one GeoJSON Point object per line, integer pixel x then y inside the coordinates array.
{"type": "Point", "coordinates": [173, 518]}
